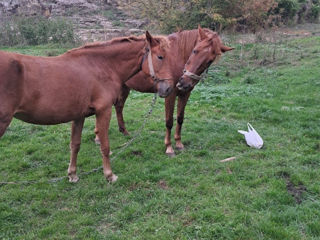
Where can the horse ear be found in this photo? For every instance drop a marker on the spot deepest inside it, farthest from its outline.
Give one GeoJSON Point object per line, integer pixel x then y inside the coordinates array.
{"type": "Point", "coordinates": [225, 48]}
{"type": "Point", "coordinates": [153, 42]}
{"type": "Point", "coordinates": [201, 33]}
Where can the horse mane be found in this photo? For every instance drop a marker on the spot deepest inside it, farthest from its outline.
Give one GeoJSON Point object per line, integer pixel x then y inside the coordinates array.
{"type": "Point", "coordinates": [187, 39]}
{"type": "Point", "coordinates": [164, 42]}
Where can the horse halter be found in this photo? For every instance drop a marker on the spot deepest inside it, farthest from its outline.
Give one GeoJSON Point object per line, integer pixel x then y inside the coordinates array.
{"type": "Point", "coordinates": [195, 76]}
{"type": "Point", "coordinates": [204, 73]}
{"type": "Point", "coordinates": [150, 66]}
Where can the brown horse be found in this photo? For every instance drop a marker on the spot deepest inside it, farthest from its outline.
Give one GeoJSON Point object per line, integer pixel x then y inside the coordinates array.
{"type": "Point", "coordinates": [182, 45]}
{"type": "Point", "coordinates": [82, 82]}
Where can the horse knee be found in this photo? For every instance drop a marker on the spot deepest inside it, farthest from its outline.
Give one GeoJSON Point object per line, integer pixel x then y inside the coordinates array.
{"type": "Point", "coordinates": [105, 151]}
{"type": "Point", "coordinates": [169, 123]}
{"type": "Point", "coordinates": [180, 120]}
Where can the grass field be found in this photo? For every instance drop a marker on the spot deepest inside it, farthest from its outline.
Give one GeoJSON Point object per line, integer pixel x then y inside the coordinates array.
{"type": "Point", "coordinates": [271, 193]}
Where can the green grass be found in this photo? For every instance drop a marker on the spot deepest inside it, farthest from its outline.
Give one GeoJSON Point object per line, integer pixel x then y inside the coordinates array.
{"type": "Point", "coordinates": [193, 195]}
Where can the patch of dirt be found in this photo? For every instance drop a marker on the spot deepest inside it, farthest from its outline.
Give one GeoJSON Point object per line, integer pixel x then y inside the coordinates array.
{"type": "Point", "coordinates": [163, 185]}
{"type": "Point", "coordinates": [294, 191]}
{"type": "Point", "coordinates": [187, 222]}
{"type": "Point", "coordinates": [137, 153]}
{"type": "Point", "coordinates": [133, 187]}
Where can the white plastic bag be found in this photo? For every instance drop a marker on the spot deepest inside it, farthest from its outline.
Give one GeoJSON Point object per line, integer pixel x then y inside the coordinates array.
{"type": "Point", "coordinates": [253, 139]}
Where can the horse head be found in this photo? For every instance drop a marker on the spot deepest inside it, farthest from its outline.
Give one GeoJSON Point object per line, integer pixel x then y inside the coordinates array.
{"type": "Point", "coordinates": [156, 63]}
{"type": "Point", "coordinates": [208, 49]}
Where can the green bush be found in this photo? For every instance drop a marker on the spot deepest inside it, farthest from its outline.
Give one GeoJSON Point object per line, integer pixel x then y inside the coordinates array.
{"type": "Point", "coordinates": [287, 9]}
{"type": "Point", "coordinates": [315, 13]}
{"type": "Point", "coordinates": [219, 14]}
{"type": "Point", "coordinates": [238, 15]}
{"type": "Point", "coordinates": [35, 31]}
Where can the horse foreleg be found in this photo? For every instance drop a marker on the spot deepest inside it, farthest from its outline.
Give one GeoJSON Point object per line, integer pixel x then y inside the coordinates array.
{"type": "Point", "coordinates": [76, 131]}
{"type": "Point", "coordinates": [169, 105]}
{"type": "Point", "coordinates": [182, 102]}
{"type": "Point", "coordinates": [102, 125]}
{"type": "Point", "coordinates": [119, 109]}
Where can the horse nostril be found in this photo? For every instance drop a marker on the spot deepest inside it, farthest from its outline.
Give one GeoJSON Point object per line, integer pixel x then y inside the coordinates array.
{"type": "Point", "coordinates": [188, 86]}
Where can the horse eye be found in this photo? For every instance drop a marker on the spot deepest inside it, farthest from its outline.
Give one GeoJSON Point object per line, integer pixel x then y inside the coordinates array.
{"type": "Point", "coordinates": [194, 51]}
{"type": "Point", "coordinates": [160, 57]}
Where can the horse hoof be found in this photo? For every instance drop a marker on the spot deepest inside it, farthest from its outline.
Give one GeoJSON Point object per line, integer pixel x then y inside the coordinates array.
{"type": "Point", "coordinates": [179, 148]}
{"type": "Point", "coordinates": [97, 141]}
{"type": "Point", "coordinates": [171, 154]}
{"type": "Point", "coordinates": [73, 178]}
{"type": "Point", "coordinates": [112, 178]}
{"type": "Point", "coordinates": [126, 133]}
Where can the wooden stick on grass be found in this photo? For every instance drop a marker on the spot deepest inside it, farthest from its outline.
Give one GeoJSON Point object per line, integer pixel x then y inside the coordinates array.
{"type": "Point", "coordinates": [228, 159]}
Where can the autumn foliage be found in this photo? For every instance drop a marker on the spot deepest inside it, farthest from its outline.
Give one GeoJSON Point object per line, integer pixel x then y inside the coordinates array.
{"type": "Point", "coordinates": [238, 15]}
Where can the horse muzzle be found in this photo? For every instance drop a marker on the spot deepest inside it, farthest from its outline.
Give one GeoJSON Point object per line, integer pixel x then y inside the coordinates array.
{"type": "Point", "coordinates": [184, 85]}
{"type": "Point", "coordinates": [164, 89]}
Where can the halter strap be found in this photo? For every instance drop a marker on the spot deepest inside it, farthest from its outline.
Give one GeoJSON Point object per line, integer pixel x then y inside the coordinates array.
{"type": "Point", "coordinates": [191, 75]}
{"type": "Point", "coordinates": [151, 68]}
{"type": "Point", "coordinates": [195, 76]}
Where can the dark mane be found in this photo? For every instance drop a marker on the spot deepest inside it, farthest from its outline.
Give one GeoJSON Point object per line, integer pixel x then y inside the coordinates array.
{"type": "Point", "coordinates": [164, 43]}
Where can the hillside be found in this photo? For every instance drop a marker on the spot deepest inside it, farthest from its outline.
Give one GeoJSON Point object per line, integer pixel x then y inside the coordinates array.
{"type": "Point", "coordinates": [93, 19]}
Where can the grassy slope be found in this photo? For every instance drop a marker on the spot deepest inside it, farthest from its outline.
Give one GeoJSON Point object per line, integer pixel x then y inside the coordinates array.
{"type": "Point", "coordinates": [191, 196]}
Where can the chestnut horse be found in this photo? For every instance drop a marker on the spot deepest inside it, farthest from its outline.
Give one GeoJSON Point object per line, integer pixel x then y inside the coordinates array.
{"type": "Point", "coordinates": [182, 45]}
{"type": "Point", "coordinates": [82, 82]}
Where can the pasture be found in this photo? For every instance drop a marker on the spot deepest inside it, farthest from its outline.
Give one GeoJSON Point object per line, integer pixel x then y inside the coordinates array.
{"type": "Point", "coordinates": [271, 193]}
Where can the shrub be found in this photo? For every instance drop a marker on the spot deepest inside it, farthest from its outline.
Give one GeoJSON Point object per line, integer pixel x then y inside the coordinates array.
{"type": "Point", "coordinates": [287, 9]}
{"type": "Point", "coordinates": [240, 15]}
{"type": "Point", "coordinates": [217, 15]}
{"type": "Point", "coordinates": [315, 13]}
{"type": "Point", "coordinates": [35, 31]}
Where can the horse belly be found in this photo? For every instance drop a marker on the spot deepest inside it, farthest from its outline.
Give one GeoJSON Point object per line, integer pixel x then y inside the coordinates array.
{"type": "Point", "coordinates": [55, 109]}
{"type": "Point", "coordinates": [51, 118]}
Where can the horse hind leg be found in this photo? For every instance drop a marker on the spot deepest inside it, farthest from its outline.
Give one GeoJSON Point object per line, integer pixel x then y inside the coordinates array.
{"type": "Point", "coordinates": [5, 120]}
{"type": "Point", "coordinates": [76, 131]}
{"type": "Point", "coordinates": [4, 123]}
{"type": "Point", "coordinates": [119, 109]}
{"type": "Point", "coordinates": [9, 84]}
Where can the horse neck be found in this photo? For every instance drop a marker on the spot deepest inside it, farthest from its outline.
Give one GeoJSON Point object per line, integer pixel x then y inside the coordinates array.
{"type": "Point", "coordinates": [128, 60]}
{"type": "Point", "coordinates": [123, 58]}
